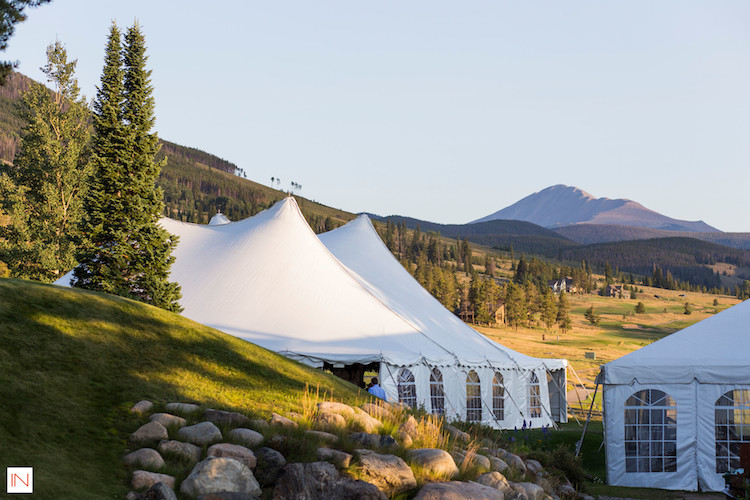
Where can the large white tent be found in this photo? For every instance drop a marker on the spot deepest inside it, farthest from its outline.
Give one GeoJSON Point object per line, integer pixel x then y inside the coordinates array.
{"type": "Point", "coordinates": [358, 246]}
{"type": "Point", "coordinates": [676, 411]}
{"type": "Point", "coordinates": [270, 280]}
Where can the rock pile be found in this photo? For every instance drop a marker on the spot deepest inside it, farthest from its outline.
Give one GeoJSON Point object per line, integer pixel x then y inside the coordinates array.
{"type": "Point", "coordinates": [227, 455]}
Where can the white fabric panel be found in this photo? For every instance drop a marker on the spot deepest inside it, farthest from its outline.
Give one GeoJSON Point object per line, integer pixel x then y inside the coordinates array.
{"type": "Point", "coordinates": [706, 351]}
{"type": "Point", "coordinates": [708, 478]}
{"type": "Point", "coordinates": [686, 476]}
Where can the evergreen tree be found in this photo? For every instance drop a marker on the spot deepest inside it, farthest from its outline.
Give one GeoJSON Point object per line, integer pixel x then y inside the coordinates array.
{"type": "Point", "coordinates": [42, 190]}
{"type": "Point", "coordinates": [125, 251]}
{"type": "Point", "coordinates": [640, 308]}
{"type": "Point", "coordinates": [591, 315]}
{"type": "Point", "coordinates": [563, 318]}
{"type": "Point", "coordinates": [548, 307]}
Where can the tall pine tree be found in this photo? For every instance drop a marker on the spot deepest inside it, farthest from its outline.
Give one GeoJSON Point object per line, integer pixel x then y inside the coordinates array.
{"type": "Point", "coordinates": [42, 190]}
{"type": "Point", "coordinates": [126, 252]}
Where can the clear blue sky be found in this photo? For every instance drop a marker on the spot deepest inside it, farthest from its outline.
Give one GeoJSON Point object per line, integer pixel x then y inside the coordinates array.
{"type": "Point", "coordinates": [445, 111]}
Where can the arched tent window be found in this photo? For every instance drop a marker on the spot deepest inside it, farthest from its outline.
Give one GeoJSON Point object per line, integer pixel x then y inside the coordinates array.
{"type": "Point", "coordinates": [407, 389]}
{"type": "Point", "coordinates": [437, 393]}
{"type": "Point", "coordinates": [732, 424]}
{"type": "Point", "coordinates": [473, 398]}
{"type": "Point", "coordinates": [498, 396]}
{"type": "Point", "coordinates": [650, 432]}
{"type": "Point", "coordinates": [535, 397]}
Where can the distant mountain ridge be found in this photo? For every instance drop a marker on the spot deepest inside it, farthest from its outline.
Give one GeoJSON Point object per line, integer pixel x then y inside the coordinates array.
{"type": "Point", "coordinates": [560, 205]}
{"type": "Point", "coordinates": [587, 234]}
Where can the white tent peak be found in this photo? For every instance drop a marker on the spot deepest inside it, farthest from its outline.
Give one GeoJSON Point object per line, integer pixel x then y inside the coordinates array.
{"type": "Point", "coordinates": [219, 219]}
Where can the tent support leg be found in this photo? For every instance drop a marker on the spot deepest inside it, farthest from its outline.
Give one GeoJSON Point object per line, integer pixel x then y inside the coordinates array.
{"type": "Point", "coordinates": [583, 386]}
{"type": "Point", "coordinates": [579, 444]}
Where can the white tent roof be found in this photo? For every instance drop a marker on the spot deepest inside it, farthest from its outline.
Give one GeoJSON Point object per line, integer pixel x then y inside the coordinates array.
{"type": "Point", "coordinates": [358, 246]}
{"type": "Point", "coordinates": [218, 220]}
{"type": "Point", "coordinates": [713, 351]}
{"type": "Point", "coordinates": [269, 279]}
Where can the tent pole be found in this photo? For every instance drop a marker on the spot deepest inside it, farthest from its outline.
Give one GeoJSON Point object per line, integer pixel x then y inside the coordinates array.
{"type": "Point", "coordinates": [579, 444]}
{"type": "Point", "coordinates": [567, 405]}
{"type": "Point", "coordinates": [583, 386]}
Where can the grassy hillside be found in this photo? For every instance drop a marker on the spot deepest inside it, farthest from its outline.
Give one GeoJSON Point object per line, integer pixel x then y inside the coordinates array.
{"type": "Point", "coordinates": [72, 362]}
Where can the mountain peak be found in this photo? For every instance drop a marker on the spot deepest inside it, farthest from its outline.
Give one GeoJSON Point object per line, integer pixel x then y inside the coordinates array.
{"type": "Point", "coordinates": [561, 205]}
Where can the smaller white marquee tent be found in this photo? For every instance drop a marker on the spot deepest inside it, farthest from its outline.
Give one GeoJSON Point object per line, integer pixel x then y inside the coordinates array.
{"type": "Point", "coordinates": [676, 411]}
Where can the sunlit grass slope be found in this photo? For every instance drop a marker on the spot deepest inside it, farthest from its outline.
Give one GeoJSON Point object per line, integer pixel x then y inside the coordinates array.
{"type": "Point", "coordinates": [73, 362]}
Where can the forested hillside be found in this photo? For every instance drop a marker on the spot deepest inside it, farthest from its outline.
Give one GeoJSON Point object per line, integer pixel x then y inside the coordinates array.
{"type": "Point", "coordinates": [196, 184]}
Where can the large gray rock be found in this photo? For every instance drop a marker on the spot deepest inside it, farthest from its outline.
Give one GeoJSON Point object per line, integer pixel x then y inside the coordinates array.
{"type": "Point", "coordinates": [533, 491]}
{"type": "Point", "coordinates": [338, 458]}
{"type": "Point", "coordinates": [144, 479]}
{"type": "Point", "coordinates": [220, 474]}
{"type": "Point", "coordinates": [378, 411]}
{"type": "Point", "coordinates": [145, 457]}
{"type": "Point", "coordinates": [258, 423]}
{"type": "Point", "coordinates": [150, 433]}
{"type": "Point", "coordinates": [182, 451]}
{"type": "Point", "coordinates": [409, 427]}
{"type": "Point", "coordinates": [435, 462]}
{"type": "Point", "coordinates": [495, 480]}
{"type": "Point", "coordinates": [226, 418]}
{"type": "Point", "coordinates": [472, 460]}
{"type": "Point", "coordinates": [270, 463]}
{"type": "Point", "coordinates": [168, 420]}
{"type": "Point", "coordinates": [184, 409]}
{"type": "Point", "coordinates": [321, 481]}
{"type": "Point", "coordinates": [332, 407]}
{"type": "Point", "coordinates": [247, 437]}
{"type": "Point", "coordinates": [239, 453]}
{"type": "Point", "coordinates": [375, 441]}
{"type": "Point", "coordinates": [497, 464]}
{"type": "Point", "coordinates": [388, 472]}
{"type": "Point", "coordinates": [365, 422]}
{"type": "Point", "coordinates": [325, 437]}
{"type": "Point", "coordinates": [534, 466]}
{"type": "Point", "coordinates": [142, 407]}
{"type": "Point", "coordinates": [457, 434]}
{"type": "Point", "coordinates": [277, 419]}
{"type": "Point", "coordinates": [566, 492]}
{"type": "Point", "coordinates": [159, 491]}
{"type": "Point", "coordinates": [201, 434]}
{"type": "Point", "coordinates": [329, 421]}
{"type": "Point", "coordinates": [517, 492]}
{"type": "Point", "coordinates": [456, 490]}
{"type": "Point", "coordinates": [404, 439]}
{"type": "Point", "coordinates": [513, 461]}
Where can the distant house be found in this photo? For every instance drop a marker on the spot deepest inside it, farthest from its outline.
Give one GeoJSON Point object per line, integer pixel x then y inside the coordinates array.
{"type": "Point", "coordinates": [467, 316]}
{"type": "Point", "coordinates": [500, 312]}
{"type": "Point", "coordinates": [563, 284]}
{"type": "Point", "coordinates": [612, 291]}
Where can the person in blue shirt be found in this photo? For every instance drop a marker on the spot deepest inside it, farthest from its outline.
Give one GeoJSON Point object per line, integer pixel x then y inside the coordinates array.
{"type": "Point", "coordinates": [375, 389]}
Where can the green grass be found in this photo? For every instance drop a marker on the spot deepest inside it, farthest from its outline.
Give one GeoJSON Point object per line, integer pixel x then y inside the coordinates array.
{"type": "Point", "coordinates": [73, 362]}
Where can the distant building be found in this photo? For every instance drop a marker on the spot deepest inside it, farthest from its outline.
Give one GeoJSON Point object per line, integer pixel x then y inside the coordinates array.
{"type": "Point", "coordinates": [612, 291]}
{"type": "Point", "coordinates": [500, 312]}
{"type": "Point", "coordinates": [562, 285]}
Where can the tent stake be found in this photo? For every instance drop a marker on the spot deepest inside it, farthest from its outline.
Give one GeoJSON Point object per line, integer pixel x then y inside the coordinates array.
{"type": "Point", "coordinates": [579, 445]}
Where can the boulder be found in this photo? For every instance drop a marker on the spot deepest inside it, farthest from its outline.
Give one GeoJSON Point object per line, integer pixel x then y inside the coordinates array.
{"type": "Point", "coordinates": [435, 462]}
{"type": "Point", "coordinates": [239, 453]}
{"type": "Point", "coordinates": [533, 491]}
{"type": "Point", "coordinates": [329, 421]}
{"type": "Point", "coordinates": [378, 411]}
{"type": "Point", "coordinates": [144, 479]}
{"type": "Point", "coordinates": [258, 423]}
{"type": "Point", "coordinates": [184, 409]}
{"type": "Point", "coordinates": [338, 458]}
{"type": "Point", "coordinates": [321, 481]}
{"type": "Point", "coordinates": [159, 491]}
{"type": "Point", "coordinates": [277, 419]}
{"type": "Point", "coordinates": [497, 464]}
{"type": "Point", "coordinates": [533, 466]}
{"type": "Point", "coordinates": [148, 434]}
{"type": "Point", "coordinates": [225, 418]}
{"type": "Point", "coordinates": [332, 407]}
{"type": "Point", "coordinates": [201, 434]}
{"type": "Point", "coordinates": [513, 461]}
{"type": "Point", "coordinates": [456, 490]}
{"type": "Point", "coordinates": [404, 439]}
{"type": "Point", "coordinates": [566, 492]}
{"type": "Point", "coordinates": [495, 480]}
{"type": "Point", "coordinates": [145, 457]}
{"type": "Point", "coordinates": [168, 420]}
{"type": "Point", "coordinates": [270, 463]}
{"type": "Point", "coordinates": [294, 415]}
{"type": "Point", "coordinates": [517, 492]}
{"type": "Point", "coordinates": [374, 441]}
{"type": "Point", "coordinates": [220, 474]}
{"type": "Point", "coordinates": [482, 462]}
{"type": "Point", "coordinates": [142, 407]}
{"type": "Point", "coordinates": [182, 451]}
{"type": "Point", "coordinates": [409, 427]}
{"type": "Point", "coordinates": [325, 437]}
{"type": "Point", "coordinates": [388, 472]}
{"type": "Point", "coordinates": [247, 437]}
{"type": "Point", "coordinates": [458, 434]}
{"type": "Point", "coordinates": [366, 422]}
